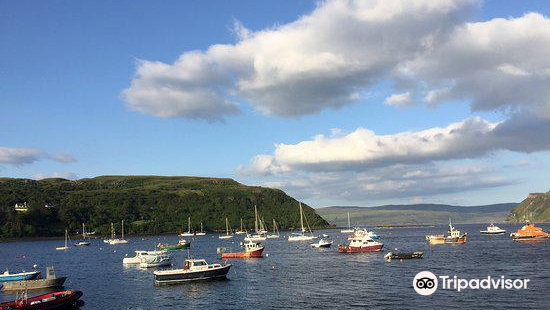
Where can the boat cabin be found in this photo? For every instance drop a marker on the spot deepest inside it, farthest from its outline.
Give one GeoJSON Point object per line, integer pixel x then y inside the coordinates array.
{"type": "Point", "coordinates": [197, 264]}
{"type": "Point", "coordinates": [361, 242]}
{"type": "Point", "coordinates": [21, 207]}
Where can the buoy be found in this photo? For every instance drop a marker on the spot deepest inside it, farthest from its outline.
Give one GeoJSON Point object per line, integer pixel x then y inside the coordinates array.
{"type": "Point", "coordinates": [266, 255]}
{"type": "Point", "coordinates": [34, 266]}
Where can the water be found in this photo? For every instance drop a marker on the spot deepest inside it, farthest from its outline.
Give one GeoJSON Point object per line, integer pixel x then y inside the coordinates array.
{"type": "Point", "coordinates": [295, 276]}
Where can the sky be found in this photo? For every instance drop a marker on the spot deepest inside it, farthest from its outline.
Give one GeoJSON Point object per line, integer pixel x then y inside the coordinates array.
{"type": "Point", "coordinates": [336, 102]}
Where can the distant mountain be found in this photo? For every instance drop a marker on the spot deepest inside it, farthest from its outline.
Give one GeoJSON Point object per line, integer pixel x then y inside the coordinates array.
{"type": "Point", "coordinates": [536, 208]}
{"type": "Point", "coordinates": [415, 214]}
{"type": "Point", "coordinates": [147, 204]}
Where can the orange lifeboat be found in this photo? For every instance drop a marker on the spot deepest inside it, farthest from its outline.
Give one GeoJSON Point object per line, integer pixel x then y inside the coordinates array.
{"type": "Point", "coordinates": [530, 232]}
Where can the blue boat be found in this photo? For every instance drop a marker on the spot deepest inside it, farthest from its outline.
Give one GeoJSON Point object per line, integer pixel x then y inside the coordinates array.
{"type": "Point", "coordinates": [7, 276]}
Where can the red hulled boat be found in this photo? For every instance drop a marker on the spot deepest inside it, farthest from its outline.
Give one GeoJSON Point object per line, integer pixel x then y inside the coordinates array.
{"type": "Point", "coordinates": [361, 244]}
{"type": "Point", "coordinates": [56, 300]}
{"type": "Point", "coordinates": [251, 249]}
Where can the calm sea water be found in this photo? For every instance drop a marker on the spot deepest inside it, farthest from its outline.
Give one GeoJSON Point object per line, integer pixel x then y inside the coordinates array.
{"type": "Point", "coordinates": [295, 276]}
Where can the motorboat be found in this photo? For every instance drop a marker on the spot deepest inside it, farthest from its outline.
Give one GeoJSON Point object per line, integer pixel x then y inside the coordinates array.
{"type": "Point", "coordinates": [401, 255]}
{"type": "Point", "coordinates": [493, 230]}
{"type": "Point", "coordinates": [301, 236]}
{"type": "Point", "coordinates": [66, 246]}
{"type": "Point", "coordinates": [50, 281]}
{"type": "Point", "coordinates": [56, 300]}
{"type": "Point", "coordinates": [322, 243]}
{"type": "Point", "coordinates": [529, 232]}
{"type": "Point", "coordinates": [454, 237]}
{"type": "Point", "coordinates": [348, 230]}
{"type": "Point", "coordinates": [182, 244]}
{"type": "Point", "coordinates": [361, 244]}
{"type": "Point", "coordinates": [200, 233]}
{"type": "Point", "coordinates": [83, 242]}
{"type": "Point", "coordinates": [136, 260]}
{"type": "Point", "coordinates": [193, 270]}
{"type": "Point", "coordinates": [188, 233]}
{"type": "Point", "coordinates": [7, 276]}
{"type": "Point", "coordinates": [227, 230]}
{"type": "Point", "coordinates": [251, 249]}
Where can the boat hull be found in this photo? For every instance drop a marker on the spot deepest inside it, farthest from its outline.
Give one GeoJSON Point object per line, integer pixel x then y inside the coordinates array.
{"type": "Point", "coordinates": [20, 276]}
{"type": "Point", "coordinates": [57, 300]}
{"type": "Point", "coordinates": [484, 232]}
{"type": "Point", "coordinates": [530, 238]}
{"type": "Point", "coordinates": [352, 249]}
{"type": "Point", "coordinates": [175, 247]}
{"type": "Point", "coordinates": [180, 276]}
{"type": "Point", "coordinates": [33, 284]}
{"type": "Point", "coordinates": [412, 255]}
{"type": "Point", "coordinates": [252, 254]}
{"type": "Point", "coordinates": [301, 238]}
{"type": "Point", "coordinates": [446, 240]}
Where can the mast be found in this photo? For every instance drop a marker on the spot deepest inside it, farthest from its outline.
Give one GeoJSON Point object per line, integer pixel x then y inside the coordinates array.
{"type": "Point", "coordinates": [349, 223]}
{"type": "Point", "coordinates": [189, 224]}
{"type": "Point", "coordinates": [255, 219]}
{"type": "Point", "coordinates": [301, 218]}
{"type": "Point", "coordinates": [226, 226]}
{"type": "Point", "coordinates": [122, 229]}
{"type": "Point", "coordinates": [66, 237]}
{"type": "Point", "coordinates": [201, 227]}
{"type": "Point", "coordinates": [83, 232]}
{"type": "Point", "coordinates": [112, 230]}
{"type": "Point", "coordinates": [241, 224]}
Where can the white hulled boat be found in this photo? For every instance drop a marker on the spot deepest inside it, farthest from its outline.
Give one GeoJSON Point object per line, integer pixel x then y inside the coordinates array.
{"type": "Point", "coordinates": [257, 237]}
{"type": "Point", "coordinates": [227, 230]}
{"type": "Point", "coordinates": [275, 233]}
{"type": "Point", "coordinates": [302, 236]}
{"type": "Point", "coordinates": [114, 240]}
{"type": "Point", "coordinates": [201, 233]}
{"type": "Point", "coordinates": [349, 230]}
{"type": "Point", "coordinates": [241, 230]}
{"type": "Point", "coordinates": [83, 242]}
{"type": "Point", "coordinates": [66, 247]}
{"type": "Point", "coordinates": [493, 230]}
{"type": "Point", "coordinates": [188, 233]}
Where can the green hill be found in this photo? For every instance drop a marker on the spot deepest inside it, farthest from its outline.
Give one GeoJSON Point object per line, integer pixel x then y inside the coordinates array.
{"type": "Point", "coordinates": [416, 214]}
{"type": "Point", "coordinates": [536, 208]}
{"type": "Point", "coordinates": [147, 204]}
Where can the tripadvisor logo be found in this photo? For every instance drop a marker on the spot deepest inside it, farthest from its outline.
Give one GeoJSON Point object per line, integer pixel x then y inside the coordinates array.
{"type": "Point", "coordinates": [425, 283]}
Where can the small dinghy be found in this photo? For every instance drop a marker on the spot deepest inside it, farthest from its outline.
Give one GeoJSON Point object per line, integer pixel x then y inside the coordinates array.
{"type": "Point", "coordinates": [193, 270]}
{"type": "Point", "coordinates": [322, 244]}
{"type": "Point", "coordinates": [57, 300]}
{"type": "Point", "coordinates": [400, 255]}
{"type": "Point", "coordinates": [7, 276]}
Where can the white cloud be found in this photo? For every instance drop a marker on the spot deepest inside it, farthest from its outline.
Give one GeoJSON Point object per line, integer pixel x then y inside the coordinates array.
{"type": "Point", "coordinates": [323, 60]}
{"type": "Point", "coordinates": [63, 175]}
{"type": "Point", "coordinates": [21, 156]}
{"type": "Point", "coordinates": [399, 100]}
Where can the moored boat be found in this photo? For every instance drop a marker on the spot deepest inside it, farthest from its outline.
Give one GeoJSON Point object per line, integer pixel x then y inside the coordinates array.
{"type": "Point", "coordinates": [66, 246]}
{"type": "Point", "coordinates": [322, 243]}
{"type": "Point", "coordinates": [83, 242]}
{"type": "Point", "coordinates": [301, 236]}
{"type": "Point", "coordinates": [7, 276]}
{"type": "Point", "coordinates": [136, 259]}
{"type": "Point", "coordinates": [241, 230]}
{"type": "Point", "coordinates": [200, 233]}
{"type": "Point", "coordinates": [530, 232]}
{"type": "Point", "coordinates": [454, 237]}
{"type": "Point", "coordinates": [193, 270]}
{"type": "Point", "coordinates": [275, 234]}
{"type": "Point", "coordinates": [114, 240]}
{"type": "Point", "coordinates": [251, 250]}
{"type": "Point", "coordinates": [188, 233]}
{"type": "Point", "coordinates": [50, 281]}
{"type": "Point", "coordinates": [361, 244]}
{"type": "Point", "coordinates": [360, 232]}
{"type": "Point", "coordinates": [349, 229]}
{"type": "Point", "coordinates": [401, 255]}
{"type": "Point", "coordinates": [182, 244]}
{"type": "Point", "coordinates": [56, 300]}
{"type": "Point", "coordinates": [227, 231]}
{"type": "Point", "coordinates": [492, 230]}
{"type": "Point", "coordinates": [158, 259]}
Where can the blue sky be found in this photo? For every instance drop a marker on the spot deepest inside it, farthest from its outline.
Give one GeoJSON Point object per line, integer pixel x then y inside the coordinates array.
{"type": "Point", "coordinates": [65, 66]}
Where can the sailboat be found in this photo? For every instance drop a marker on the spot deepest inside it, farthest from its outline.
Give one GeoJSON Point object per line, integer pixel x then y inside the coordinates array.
{"type": "Point", "coordinates": [83, 242]}
{"type": "Point", "coordinates": [275, 234]}
{"type": "Point", "coordinates": [114, 240]}
{"type": "Point", "coordinates": [263, 229]}
{"type": "Point", "coordinates": [201, 233]}
{"type": "Point", "coordinates": [302, 236]}
{"type": "Point", "coordinates": [258, 236]}
{"type": "Point", "coordinates": [227, 230]}
{"type": "Point", "coordinates": [188, 233]}
{"type": "Point", "coordinates": [241, 229]}
{"type": "Point", "coordinates": [349, 230]}
{"type": "Point", "coordinates": [66, 247]}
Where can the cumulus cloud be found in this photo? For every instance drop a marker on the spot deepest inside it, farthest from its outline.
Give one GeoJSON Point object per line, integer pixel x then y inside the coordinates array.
{"type": "Point", "coordinates": [323, 60]}
{"type": "Point", "coordinates": [363, 148]}
{"type": "Point", "coordinates": [22, 156]}
{"type": "Point", "coordinates": [399, 100]}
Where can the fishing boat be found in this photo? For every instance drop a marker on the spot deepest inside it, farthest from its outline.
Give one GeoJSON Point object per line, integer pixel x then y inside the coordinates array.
{"type": "Point", "coordinates": [227, 230]}
{"type": "Point", "coordinates": [83, 242]}
{"type": "Point", "coordinates": [50, 281]}
{"type": "Point", "coordinates": [302, 236]}
{"type": "Point", "coordinates": [529, 232]}
{"type": "Point", "coordinates": [114, 240]}
{"type": "Point", "coordinates": [188, 233]}
{"type": "Point", "coordinates": [136, 259]}
{"type": "Point", "coordinates": [251, 250]}
{"type": "Point", "coordinates": [56, 300]}
{"type": "Point", "coordinates": [7, 276]}
{"type": "Point", "coordinates": [241, 230]}
{"type": "Point", "coordinates": [182, 244]}
{"type": "Point", "coordinates": [193, 270]}
{"type": "Point", "coordinates": [257, 236]}
{"type": "Point", "coordinates": [349, 229]}
{"type": "Point", "coordinates": [275, 233]}
{"type": "Point", "coordinates": [201, 233]}
{"type": "Point", "coordinates": [492, 230]}
{"type": "Point", "coordinates": [66, 247]}
{"type": "Point", "coordinates": [411, 255]}
{"type": "Point", "coordinates": [454, 237]}
{"type": "Point", "coordinates": [322, 243]}
{"type": "Point", "coordinates": [361, 244]}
